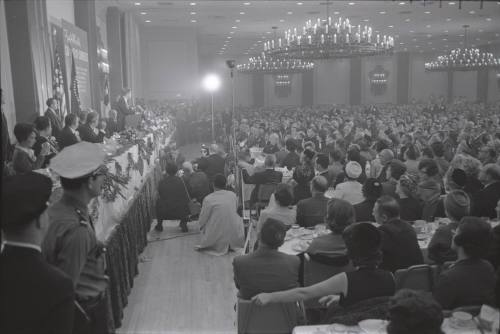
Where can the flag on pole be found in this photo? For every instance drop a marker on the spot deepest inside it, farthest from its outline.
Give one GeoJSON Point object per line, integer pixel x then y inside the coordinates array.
{"type": "Point", "coordinates": [58, 85]}
{"type": "Point", "coordinates": [75, 95]}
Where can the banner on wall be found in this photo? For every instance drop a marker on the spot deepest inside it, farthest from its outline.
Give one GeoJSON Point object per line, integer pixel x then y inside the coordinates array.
{"type": "Point", "coordinates": [77, 63]}
{"type": "Point", "coordinates": [59, 81]}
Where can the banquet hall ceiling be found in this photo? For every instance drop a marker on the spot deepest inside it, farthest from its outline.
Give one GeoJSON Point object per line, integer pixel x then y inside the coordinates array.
{"type": "Point", "coordinates": [236, 28]}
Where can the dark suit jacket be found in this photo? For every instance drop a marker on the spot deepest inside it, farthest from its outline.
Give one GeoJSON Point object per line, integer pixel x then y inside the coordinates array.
{"type": "Point", "coordinates": [87, 134]}
{"type": "Point", "coordinates": [364, 211]}
{"type": "Point", "coordinates": [123, 110]}
{"type": "Point", "coordinates": [400, 247]}
{"type": "Point", "coordinates": [266, 176]}
{"type": "Point", "coordinates": [198, 185]}
{"type": "Point", "coordinates": [292, 160]}
{"type": "Point", "coordinates": [173, 200]}
{"type": "Point", "coordinates": [36, 297]}
{"type": "Point", "coordinates": [311, 211]}
{"type": "Point", "coordinates": [467, 282]}
{"type": "Point", "coordinates": [21, 162]}
{"type": "Point", "coordinates": [485, 201]}
{"type": "Point", "coordinates": [265, 270]}
{"type": "Point", "coordinates": [216, 165]}
{"type": "Point", "coordinates": [67, 138]}
{"type": "Point", "coordinates": [55, 121]}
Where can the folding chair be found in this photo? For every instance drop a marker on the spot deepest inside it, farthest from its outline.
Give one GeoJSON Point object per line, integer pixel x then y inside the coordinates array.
{"type": "Point", "coordinates": [420, 277]}
{"type": "Point", "coordinates": [264, 193]}
{"type": "Point", "coordinates": [315, 272]}
{"type": "Point", "coordinates": [279, 318]}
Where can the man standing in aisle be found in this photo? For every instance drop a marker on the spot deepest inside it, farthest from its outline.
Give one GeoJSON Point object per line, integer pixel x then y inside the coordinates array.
{"type": "Point", "coordinates": [71, 243]}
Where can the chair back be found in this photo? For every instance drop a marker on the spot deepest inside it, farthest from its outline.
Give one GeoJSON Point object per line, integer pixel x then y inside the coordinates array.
{"type": "Point", "coordinates": [265, 191]}
{"type": "Point", "coordinates": [315, 272]}
{"type": "Point", "coordinates": [420, 277]}
{"type": "Point", "coordinates": [278, 318]}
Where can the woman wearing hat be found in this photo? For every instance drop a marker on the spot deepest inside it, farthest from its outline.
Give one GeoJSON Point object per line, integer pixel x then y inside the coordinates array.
{"type": "Point", "coordinates": [410, 205]}
{"type": "Point", "coordinates": [456, 206]}
{"type": "Point", "coordinates": [363, 242]}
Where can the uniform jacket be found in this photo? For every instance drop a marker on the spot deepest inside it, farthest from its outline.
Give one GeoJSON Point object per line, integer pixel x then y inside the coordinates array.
{"type": "Point", "coordinates": [71, 245]}
{"type": "Point", "coordinates": [36, 298]}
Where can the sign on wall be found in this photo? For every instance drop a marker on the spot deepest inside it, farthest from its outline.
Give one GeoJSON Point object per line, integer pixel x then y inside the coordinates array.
{"type": "Point", "coordinates": [77, 66]}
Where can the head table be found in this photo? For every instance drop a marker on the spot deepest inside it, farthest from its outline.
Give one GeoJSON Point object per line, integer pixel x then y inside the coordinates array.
{"type": "Point", "coordinates": [122, 222]}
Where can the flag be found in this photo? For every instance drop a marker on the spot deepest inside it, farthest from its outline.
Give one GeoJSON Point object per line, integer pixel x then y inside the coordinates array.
{"type": "Point", "coordinates": [58, 85]}
{"type": "Point", "coordinates": [106, 91]}
{"type": "Point", "coordinates": [75, 95]}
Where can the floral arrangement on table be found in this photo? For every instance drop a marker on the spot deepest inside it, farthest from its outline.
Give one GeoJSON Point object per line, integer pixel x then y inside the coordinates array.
{"type": "Point", "coordinates": [114, 183]}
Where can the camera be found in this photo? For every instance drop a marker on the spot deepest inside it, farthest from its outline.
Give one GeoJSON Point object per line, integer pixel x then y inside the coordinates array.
{"type": "Point", "coordinates": [231, 63]}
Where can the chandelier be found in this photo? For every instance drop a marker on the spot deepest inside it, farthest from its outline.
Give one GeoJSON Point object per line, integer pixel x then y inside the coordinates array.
{"type": "Point", "coordinates": [323, 39]}
{"type": "Point", "coordinates": [274, 66]}
{"type": "Point", "coordinates": [466, 59]}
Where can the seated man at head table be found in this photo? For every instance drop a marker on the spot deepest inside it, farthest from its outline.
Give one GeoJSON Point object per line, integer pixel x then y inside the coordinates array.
{"type": "Point", "coordinates": [266, 269]}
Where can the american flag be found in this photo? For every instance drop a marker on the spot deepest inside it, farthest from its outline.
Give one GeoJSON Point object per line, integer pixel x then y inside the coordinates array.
{"type": "Point", "coordinates": [58, 85]}
{"type": "Point", "coordinates": [75, 95]}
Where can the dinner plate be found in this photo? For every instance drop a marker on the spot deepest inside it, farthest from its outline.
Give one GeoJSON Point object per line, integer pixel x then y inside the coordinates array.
{"type": "Point", "coordinates": [373, 326]}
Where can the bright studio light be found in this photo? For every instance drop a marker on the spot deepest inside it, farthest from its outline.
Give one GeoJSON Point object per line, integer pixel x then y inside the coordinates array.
{"type": "Point", "coordinates": [211, 83]}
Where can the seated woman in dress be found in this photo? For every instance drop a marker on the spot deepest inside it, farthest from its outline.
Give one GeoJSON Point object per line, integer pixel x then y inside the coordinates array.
{"type": "Point", "coordinates": [414, 312]}
{"type": "Point", "coordinates": [24, 159]}
{"type": "Point", "coordinates": [363, 242]}
{"type": "Point", "coordinates": [279, 207]}
{"type": "Point", "coordinates": [340, 214]}
{"type": "Point", "coordinates": [470, 280]}
{"type": "Point", "coordinates": [456, 206]}
{"type": "Point", "coordinates": [411, 206]}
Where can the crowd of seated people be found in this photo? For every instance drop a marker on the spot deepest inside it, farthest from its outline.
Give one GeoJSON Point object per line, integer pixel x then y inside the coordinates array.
{"type": "Point", "coordinates": [390, 165]}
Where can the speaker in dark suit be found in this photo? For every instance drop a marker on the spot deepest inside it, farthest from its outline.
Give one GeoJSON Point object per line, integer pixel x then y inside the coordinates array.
{"type": "Point", "coordinates": [36, 297]}
{"type": "Point", "coordinates": [485, 201]}
{"type": "Point", "coordinates": [122, 108]}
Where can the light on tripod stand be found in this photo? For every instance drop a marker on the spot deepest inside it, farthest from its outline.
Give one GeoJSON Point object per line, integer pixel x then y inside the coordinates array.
{"type": "Point", "coordinates": [211, 83]}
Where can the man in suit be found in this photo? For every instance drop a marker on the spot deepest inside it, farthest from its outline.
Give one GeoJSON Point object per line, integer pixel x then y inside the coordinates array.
{"type": "Point", "coordinates": [69, 134]}
{"type": "Point", "coordinates": [53, 114]}
{"type": "Point", "coordinates": [36, 297]}
{"type": "Point", "coordinates": [216, 163]}
{"type": "Point", "coordinates": [400, 247]}
{"type": "Point", "coordinates": [123, 108]}
{"type": "Point", "coordinates": [485, 201]}
{"type": "Point", "coordinates": [269, 175]}
{"type": "Point", "coordinates": [173, 200]}
{"type": "Point", "coordinates": [311, 211]}
{"type": "Point", "coordinates": [44, 129]}
{"type": "Point", "coordinates": [89, 131]}
{"type": "Point", "coordinates": [266, 269]}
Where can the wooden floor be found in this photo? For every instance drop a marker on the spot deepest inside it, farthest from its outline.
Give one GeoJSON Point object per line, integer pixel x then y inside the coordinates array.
{"type": "Point", "coordinates": [179, 290]}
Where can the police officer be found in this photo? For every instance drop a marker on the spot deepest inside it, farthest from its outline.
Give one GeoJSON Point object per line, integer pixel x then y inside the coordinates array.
{"type": "Point", "coordinates": [71, 243]}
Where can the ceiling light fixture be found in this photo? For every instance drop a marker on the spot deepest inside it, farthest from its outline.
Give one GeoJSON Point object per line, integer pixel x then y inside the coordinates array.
{"type": "Point", "coordinates": [242, 13]}
{"type": "Point", "coordinates": [193, 13]}
{"type": "Point", "coordinates": [337, 38]}
{"type": "Point", "coordinates": [237, 21]}
{"type": "Point", "coordinates": [289, 13]}
{"type": "Point", "coordinates": [192, 4]}
{"type": "Point", "coordinates": [464, 59]}
{"type": "Point", "coordinates": [137, 3]}
{"type": "Point", "coordinates": [247, 3]}
{"type": "Point", "coordinates": [299, 3]}
{"type": "Point", "coordinates": [193, 21]}
{"type": "Point", "coordinates": [382, 12]}
{"type": "Point", "coordinates": [273, 66]}
{"type": "Point", "coordinates": [148, 21]}
{"type": "Point", "coordinates": [143, 13]}
{"type": "Point", "coordinates": [451, 3]}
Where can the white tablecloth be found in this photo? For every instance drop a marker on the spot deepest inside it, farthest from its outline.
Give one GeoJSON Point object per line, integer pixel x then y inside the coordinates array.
{"type": "Point", "coordinates": [341, 329]}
